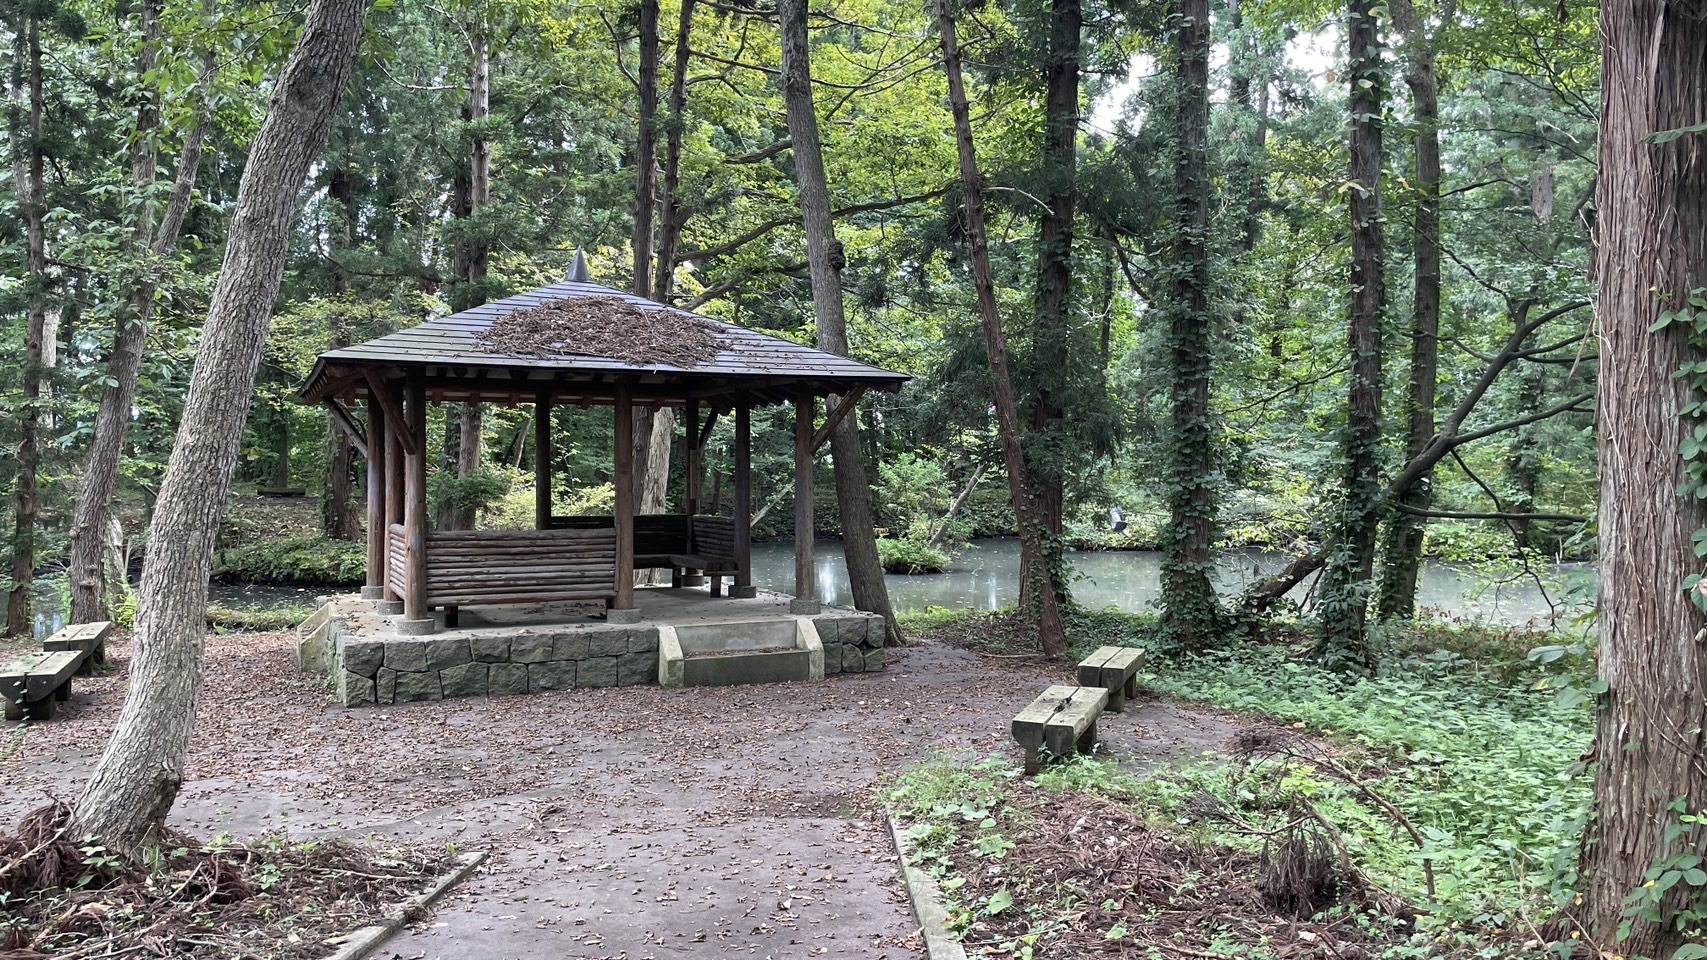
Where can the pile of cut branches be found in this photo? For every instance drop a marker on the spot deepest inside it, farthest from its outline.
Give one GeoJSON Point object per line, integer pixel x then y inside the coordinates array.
{"type": "Point", "coordinates": [610, 327]}
{"type": "Point", "coordinates": [73, 899]}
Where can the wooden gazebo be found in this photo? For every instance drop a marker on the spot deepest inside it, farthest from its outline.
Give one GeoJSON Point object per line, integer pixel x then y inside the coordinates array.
{"type": "Point", "coordinates": [573, 558]}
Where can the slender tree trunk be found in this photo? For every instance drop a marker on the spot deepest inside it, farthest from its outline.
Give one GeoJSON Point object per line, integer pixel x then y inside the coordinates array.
{"type": "Point", "coordinates": [470, 449]}
{"type": "Point", "coordinates": [133, 787]}
{"type": "Point", "coordinates": [1344, 640]}
{"type": "Point", "coordinates": [32, 197]}
{"type": "Point", "coordinates": [654, 428]}
{"type": "Point", "coordinates": [338, 517]}
{"type": "Point", "coordinates": [1402, 557]}
{"type": "Point", "coordinates": [1651, 255]}
{"type": "Point", "coordinates": [92, 519]}
{"type": "Point", "coordinates": [1052, 339]}
{"type": "Point", "coordinates": [1190, 606]}
{"type": "Point", "coordinates": [672, 212]}
{"type": "Point", "coordinates": [826, 259]}
{"type": "Point", "coordinates": [1043, 610]}
{"type": "Point", "coordinates": [954, 505]}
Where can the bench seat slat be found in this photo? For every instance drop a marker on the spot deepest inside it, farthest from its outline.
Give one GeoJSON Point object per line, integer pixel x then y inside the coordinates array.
{"type": "Point", "coordinates": [36, 675]}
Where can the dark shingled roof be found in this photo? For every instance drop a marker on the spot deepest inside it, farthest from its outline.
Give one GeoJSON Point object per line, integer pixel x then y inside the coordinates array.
{"type": "Point", "coordinates": [769, 369]}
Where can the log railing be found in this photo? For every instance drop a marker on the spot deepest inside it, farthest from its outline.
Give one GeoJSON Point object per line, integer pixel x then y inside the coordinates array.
{"type": "Point", "coordinates": [471, 567]}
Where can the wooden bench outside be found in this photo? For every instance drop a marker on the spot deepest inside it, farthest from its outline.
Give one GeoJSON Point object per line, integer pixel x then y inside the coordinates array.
{"type": "Point", "coordinates": [1063, 719]}
{"type": "Point", "coordinates": [36, 683]}
{"type": "Point", "coordinates": [91, 638]}
{"type": "Point", "coordinates": [1114, 669]}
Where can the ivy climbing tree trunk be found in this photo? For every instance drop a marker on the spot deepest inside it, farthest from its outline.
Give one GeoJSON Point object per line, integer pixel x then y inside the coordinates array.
{"type": "Point", "coordinates": [92, 570]}
{"type": "Point", "coordinates": [1042, 609]}
{"type": "Point", "coordinates": [1651, 256]}
{"type": "Point", "coordinates": [137, 780]}
{"type": "Point", "coordinates": [32, 198]}
{"type": "Point", "coordinates": [1344, 640]}
{"type": "Point", "coordinates": [1189, 604]}
{"type": "Point", "coordinates": [1402, 556]}
{"type": "Point", "coordinates": [825, 259]}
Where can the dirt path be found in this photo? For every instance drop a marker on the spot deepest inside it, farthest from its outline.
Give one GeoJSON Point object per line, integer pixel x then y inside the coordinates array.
{"type": "Point", "coordinates": [625, 823]}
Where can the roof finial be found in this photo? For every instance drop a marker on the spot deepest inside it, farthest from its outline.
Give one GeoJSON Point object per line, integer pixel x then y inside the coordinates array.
{"type": "Point", "coordinates": [578, 273]}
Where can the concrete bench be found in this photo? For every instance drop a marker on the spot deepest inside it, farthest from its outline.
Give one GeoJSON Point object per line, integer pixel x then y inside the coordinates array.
{"type": "Point", "coordinates": [1063, 720]}
{"type": "Point", "coordinates": [36, 683]}
{"type": "Point", "coordinates": [1115, 669]}
{"type": "Point", "coordinates": [90, 638]}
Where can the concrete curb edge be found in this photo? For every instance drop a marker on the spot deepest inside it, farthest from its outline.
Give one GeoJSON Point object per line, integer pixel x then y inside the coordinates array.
{"type": "Point", "coordinates": [365, 940]}
{"type": "Point", "coordinates": [927, 903]}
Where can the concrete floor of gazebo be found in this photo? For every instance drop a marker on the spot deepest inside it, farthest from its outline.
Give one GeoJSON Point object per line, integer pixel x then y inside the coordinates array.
{"type": "Point", "coordinates": [510, 649]}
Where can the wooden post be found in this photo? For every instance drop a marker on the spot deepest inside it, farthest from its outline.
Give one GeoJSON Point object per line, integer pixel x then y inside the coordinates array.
{"type": "Point", "coordinates": [415, 503]}
{"type": "Point", "coordinates": [805, 559]}
{"type": "Point", "coordinates": [542, 460]}
{"type": "Point", "coordinates": [691, 455]}
{"type": "Point", "coordinates": [743, 500]}
{"type": "Point", "coordinates": [376, 443]}
{"type": "Point", "coordinates": [624, 481]}
{"type": "Point", "coordinates": [393, 491]}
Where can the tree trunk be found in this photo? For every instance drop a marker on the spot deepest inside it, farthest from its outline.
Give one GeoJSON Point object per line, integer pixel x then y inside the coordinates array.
{"type": "Point", "coordinates": [1344, 640]}
{"type": "Point", "coordinates": [1651, 256]}
{"type": "Point", "coordinates": [654, 428]}
{"type": "Point", "coordinates": [32, 199]}
{"type": "Point", "coordinates": [477, 255]}
{"type": "Point", "coordinates": [1402, 556]}
{"type": "Point", "coordinates": [133, 787]}
{"type": "Point", "coordinates": [339, 519]}
{"type": "Point", "coordinates": [672, 212]}
{"type": "Point", "coordinates": [1190, 607]}
{"type": "Point", "coordinates": [1043, 610]}
{"type": "Point", "coordinates": [1052, 340]}
{"type": "Point", "coordinates": [825, 259]}
{"type": "Point", "coordinates": [93, 515]}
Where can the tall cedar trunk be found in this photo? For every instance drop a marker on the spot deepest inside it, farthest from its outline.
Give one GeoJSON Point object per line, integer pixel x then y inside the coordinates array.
{"type": "Point", "coordinates": [1245, 60]}
{"type": "Point", "coordinates": [654, 428]}
{"type": "Point", "coordinates": [470, 449]}
{"type": "Point", "coordinates": [1344, 640]}
{"type": "Point", "coordinates": [1044, 612]}
{"type": "Point", "coordinates": [825, 259]}
{"type": "Point", "coordinates": [1051, 337]}
{"type": "Point", "coordinates": [1652, 246]}
{"type": "Point", "coordinates": [672, 212]}
{"type": "Point", "coordinates": [1189, 602]}
{"type": "Point", "coordinates": [133, 787]}
{"type": "Point", "coordinates": [1402, 556]}
{"type": "Point", "coordinates": [338, 516]}
{"type": "Point", "coordinates": [32, 197]}
{"type": "Point", "coordinates": [91, 566]}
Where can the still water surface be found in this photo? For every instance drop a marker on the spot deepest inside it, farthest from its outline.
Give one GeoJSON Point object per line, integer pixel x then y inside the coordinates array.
{"type": "Point", "coordinates": [984, 576]}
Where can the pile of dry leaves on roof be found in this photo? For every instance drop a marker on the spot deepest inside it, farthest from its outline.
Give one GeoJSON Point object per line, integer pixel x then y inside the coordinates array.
{"type": "Point", "coordinates": [609, 327]}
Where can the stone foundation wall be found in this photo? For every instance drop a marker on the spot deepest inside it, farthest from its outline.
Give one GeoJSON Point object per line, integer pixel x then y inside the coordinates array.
{"type": "Point", "coordinates": [389, 669]}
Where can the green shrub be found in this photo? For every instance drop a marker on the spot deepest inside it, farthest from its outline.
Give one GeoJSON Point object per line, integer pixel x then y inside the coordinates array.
{"type": "Point", "coordinates": [910, 556]}
{"type": "Point", "coordinates": [312, 560]}
{"type": "Point", "coordinates": [477, 491]}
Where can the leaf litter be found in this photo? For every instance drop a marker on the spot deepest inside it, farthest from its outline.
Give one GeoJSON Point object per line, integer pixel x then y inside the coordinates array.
{"type": "Point", "coordinates": [610, 327]}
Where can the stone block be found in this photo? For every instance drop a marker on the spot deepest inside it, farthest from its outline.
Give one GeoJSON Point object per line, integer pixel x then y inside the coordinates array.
{"type": "Point", "coordinates": [874, 660]}
{"type": "Point", "coordinates": [507, 679]}
{"type": "Point", "coordinates": [418, 686]}
{"type": "Point", "coordinates": [853, 659]}
{"type": "Point", "coordinates": [406, 655]}
{"type": "Point", "coordinates": [353, 690]}
{"type": "Point", "coordinates": [531, 648]}
{"type": "Point", "coordinates": [464, 680]}
{"type": "Point", "coordinates": [832, 658]}
{"type": "Point", "coordinates": [447, 652]}
{"type": "Point", "coordinates": [385, 686]}
{"type": "Point", "coordinates": [362, 657]}
{"type": "Point", "coordinates": [569, 646]}
{"type": "Point", "coordinates": [551, 675]}
{"type": "Point", "coordinates": [597, 672]}
{"type": "Point", "coordinates": [489, 649]}
{"type": "Point", "coordinates": [636, 668]}
{"type": "Point", "coordinates": [643, 640]}
{"type": "Point", "coordinates": [607, 643]}
{"type": "Point", "coordinates": [874, 632]}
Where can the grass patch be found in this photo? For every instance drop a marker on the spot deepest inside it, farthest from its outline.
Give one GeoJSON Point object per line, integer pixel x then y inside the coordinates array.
{"type": "Point", "coordinates": [307, 560]}
{"type": "Point", "coordinates": [260, 620]}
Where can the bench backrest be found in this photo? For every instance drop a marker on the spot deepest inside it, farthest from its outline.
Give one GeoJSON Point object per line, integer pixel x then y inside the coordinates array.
{"type": "Point", "coordinates": [714, 537]}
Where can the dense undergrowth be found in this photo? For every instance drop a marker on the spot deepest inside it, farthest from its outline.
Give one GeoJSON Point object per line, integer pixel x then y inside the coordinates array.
{"type": "Point", "coordinates": [1452, 781]}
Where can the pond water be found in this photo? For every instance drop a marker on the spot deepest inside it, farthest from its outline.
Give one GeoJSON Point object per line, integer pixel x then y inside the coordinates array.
{"type": "Point", "coordinates": [49, 598]}
{"type": "Point", "coordinates": [984, 576]}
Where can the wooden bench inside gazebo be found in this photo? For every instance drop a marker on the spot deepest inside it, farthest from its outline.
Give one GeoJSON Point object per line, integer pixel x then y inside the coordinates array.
{"type": "Point", "coordinates": [540, 348]}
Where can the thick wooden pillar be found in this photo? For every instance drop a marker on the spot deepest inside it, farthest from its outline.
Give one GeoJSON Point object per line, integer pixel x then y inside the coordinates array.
{"type": "Point", "coordinates": [376, 444]}
{"type": "Point", "coordinates": [743, 498]}
{"type": "Point", "coordinates": [624, 480]}
{"type": "Point", "coordinates": [393, 498]}
{"type": "Point", "coordinates": [415, 501]}
{"type": "Point", "coordinates": [542, 461]}
{"type": "Point", "coordinates": [805, 553]}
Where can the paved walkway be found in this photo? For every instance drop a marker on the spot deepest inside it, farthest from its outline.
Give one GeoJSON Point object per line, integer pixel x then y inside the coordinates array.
{"type": "Point", "coordinates": [625, 823]}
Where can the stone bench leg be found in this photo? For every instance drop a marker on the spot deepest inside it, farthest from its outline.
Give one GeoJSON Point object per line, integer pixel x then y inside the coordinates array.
{"type": "Point", "coordinates": [716, 584]}
{"type": "Point", "coordinates": [1087, 744]}
{"type": "Point", "coordinates": [1033, 762]}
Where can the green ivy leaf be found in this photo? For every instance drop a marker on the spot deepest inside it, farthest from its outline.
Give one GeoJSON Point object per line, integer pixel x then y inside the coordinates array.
{"type": "Point", "coordinates": [999, 901]}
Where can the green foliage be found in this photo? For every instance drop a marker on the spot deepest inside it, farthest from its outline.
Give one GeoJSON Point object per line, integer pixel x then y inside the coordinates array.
{"type": "Point", "coordinates": [265, 620]}
{"type": "Point", "coordinates": [478, 491]}
{"type": "Point", "coordinates": [308, 560]}
{"type": "Point", "coordinates": [1647, 902]}
{"type": "Point", "coordinates": [910, 556]}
